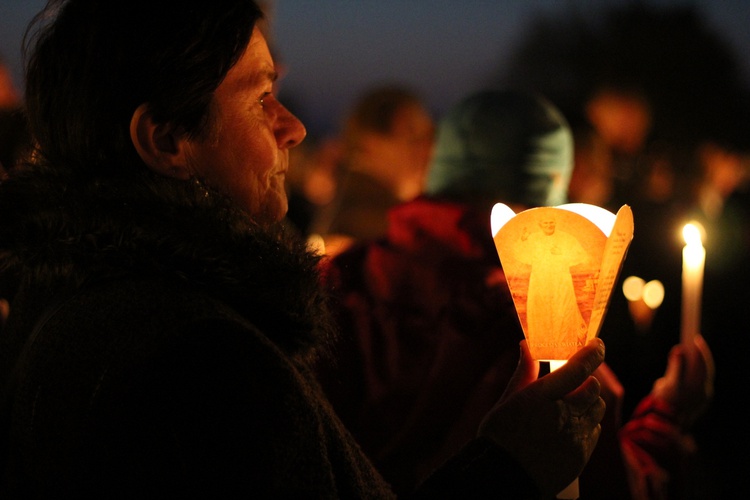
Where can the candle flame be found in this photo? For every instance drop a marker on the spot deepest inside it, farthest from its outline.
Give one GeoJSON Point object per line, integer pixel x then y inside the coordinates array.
{"type": "Point", "coordinates": [692, 232]}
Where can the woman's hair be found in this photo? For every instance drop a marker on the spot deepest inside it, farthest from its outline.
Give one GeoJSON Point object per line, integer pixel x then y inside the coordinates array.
{"type": "Point", "coordinates": [91, 63]}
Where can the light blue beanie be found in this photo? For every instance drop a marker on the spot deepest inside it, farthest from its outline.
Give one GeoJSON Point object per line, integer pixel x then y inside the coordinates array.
{"type": "Point", "coordinates": [503, 146]}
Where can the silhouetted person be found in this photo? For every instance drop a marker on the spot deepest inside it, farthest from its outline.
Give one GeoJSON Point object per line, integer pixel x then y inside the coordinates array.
{"type": "Point", "coordinates": [387, 143]}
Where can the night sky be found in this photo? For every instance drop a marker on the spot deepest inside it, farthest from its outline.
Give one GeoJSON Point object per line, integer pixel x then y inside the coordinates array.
{"type": "Point", "coordinates": [334, 49]}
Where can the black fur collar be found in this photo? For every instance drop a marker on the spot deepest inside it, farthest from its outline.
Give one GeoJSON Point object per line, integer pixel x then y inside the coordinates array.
{"type": "Point", "coordinates": [58, 228]}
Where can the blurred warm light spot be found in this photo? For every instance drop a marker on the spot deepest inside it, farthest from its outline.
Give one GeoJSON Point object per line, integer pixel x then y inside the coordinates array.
{"type": "Point", "coordinates": [653, 293]}
{"type": "Point", "coordinates": [632, 287]}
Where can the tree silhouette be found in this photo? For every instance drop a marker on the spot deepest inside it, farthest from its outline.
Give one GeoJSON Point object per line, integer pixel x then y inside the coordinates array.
{"type": "Point", "coordinates": [687, 71]}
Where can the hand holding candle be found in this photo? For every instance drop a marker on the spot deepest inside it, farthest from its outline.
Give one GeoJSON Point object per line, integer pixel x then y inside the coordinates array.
{"type": "Point", "coordinates": [561, 263]}
{"type": "Point", "coordinates": [562, 444]}
{"type": "Point", "coordinates": [693, 260]}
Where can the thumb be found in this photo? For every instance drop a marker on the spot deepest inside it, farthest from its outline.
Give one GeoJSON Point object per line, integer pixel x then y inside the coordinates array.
{"type": "Point", "coordinates": [706, 359]}
{"type": "Point", "coordinates": [676, 364]}
{"type": "Point", "coordinates": [575, 372]}
{"type": "Point", "coordinates": [526, 372]}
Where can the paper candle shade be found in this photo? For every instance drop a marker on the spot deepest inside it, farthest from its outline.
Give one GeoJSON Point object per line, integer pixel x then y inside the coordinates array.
{"type": "Point", "coordinates": [561, 264]}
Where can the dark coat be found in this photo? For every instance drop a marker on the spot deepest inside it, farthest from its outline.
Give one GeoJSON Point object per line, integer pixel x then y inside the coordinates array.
{"type": "Point", "coordinates": [158, 346]}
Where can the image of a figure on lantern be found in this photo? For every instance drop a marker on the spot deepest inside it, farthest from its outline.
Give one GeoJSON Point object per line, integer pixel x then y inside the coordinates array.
{"type": "Point", "coordinates": [558, 275]}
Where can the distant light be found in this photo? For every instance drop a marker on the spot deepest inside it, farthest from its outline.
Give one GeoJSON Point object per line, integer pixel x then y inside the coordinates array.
{"type": "Point", "coordinates": [653, 293]}
{"type": "Point", "coordinates": [632, 288]}
{"type": "Point", "coordinates": [635, 289]}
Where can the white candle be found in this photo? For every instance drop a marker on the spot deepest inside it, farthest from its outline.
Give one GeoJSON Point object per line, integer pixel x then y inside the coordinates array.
{"type": "Point", "coordinates": [572, 491]}
{"type": "Point", "coordinates": [693, 260]}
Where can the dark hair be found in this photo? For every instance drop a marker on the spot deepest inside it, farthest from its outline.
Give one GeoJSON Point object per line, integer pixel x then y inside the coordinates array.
{"type": "Point", "coordinates": [91, 63]}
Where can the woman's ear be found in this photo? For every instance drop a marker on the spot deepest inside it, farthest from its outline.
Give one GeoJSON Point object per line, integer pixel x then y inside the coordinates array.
{"type": "Point", "coordinates": [161, 149]}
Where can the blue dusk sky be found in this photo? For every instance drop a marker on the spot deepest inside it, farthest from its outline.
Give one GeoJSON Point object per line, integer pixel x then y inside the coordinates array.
{"type": "Point", "coordinates": [334, 49]}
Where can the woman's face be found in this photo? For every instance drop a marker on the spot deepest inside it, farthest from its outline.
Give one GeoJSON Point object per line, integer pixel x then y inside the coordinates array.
{"type": "Point", "coordinates": [246, 154]}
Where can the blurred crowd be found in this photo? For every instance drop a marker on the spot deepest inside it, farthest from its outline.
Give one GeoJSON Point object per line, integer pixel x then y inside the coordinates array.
{"type": "Point", "coordinates": [659, 117]}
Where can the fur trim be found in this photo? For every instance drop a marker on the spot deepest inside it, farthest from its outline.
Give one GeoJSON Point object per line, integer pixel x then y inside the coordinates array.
{"type": "Point", "coordinates": [59, 228]}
